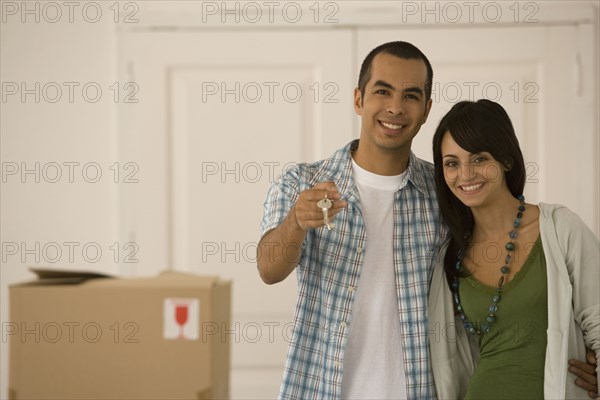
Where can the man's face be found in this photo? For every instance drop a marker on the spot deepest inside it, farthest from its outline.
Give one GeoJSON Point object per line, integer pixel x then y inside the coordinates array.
{"type": "Point", "coordinates": [393, 107]}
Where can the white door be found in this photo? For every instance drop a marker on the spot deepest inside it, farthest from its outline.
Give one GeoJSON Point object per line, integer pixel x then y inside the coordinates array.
{"type": "Point", "coordinates": [220, 116]}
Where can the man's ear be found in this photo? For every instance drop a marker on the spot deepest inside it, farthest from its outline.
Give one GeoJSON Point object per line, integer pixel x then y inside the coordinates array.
{"type": "Point", "coordinates": [427, 109]}
{"type": "Point", "coordinates": [358, 101]}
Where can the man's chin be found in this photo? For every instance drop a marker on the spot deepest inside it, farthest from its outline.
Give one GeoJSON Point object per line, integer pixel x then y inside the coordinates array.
{"type": "Point", "coordinates": [394, 145]}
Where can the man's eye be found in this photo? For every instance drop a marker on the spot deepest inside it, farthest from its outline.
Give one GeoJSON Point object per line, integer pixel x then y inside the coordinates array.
{"type": "Point", "coordinates": [381, 91]}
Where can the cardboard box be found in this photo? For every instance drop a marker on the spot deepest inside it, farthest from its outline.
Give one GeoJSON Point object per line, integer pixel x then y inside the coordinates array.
{"type": "Point", "coordinates": [73, 336]}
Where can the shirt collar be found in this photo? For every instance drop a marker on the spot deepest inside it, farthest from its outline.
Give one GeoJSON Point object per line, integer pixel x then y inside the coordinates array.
{"type": "Point", "coordinates": [338, 168]}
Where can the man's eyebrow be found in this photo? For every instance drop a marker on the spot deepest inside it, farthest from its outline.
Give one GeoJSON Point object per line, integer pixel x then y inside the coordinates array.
{"type": "Point", "coordinates": [384, 84]}
{"type": "Point", "coordinates": [406, 88]}
{"type": "Point", "coordinates": [413, 89]}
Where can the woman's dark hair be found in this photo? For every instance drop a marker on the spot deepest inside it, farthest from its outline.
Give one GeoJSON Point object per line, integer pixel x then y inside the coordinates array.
{"type": "Point", "coordinates": [399, 49]}
{"type": "Point", "coordinates": [482, 126]}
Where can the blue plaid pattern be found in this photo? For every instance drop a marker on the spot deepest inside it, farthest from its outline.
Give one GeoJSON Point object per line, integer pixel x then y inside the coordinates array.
{"type": "Point", "coordinates": [329, 268]}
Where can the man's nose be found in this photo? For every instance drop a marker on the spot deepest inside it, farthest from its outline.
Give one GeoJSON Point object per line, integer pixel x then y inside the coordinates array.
{"type": "Point", "coordinates": [395, 106]}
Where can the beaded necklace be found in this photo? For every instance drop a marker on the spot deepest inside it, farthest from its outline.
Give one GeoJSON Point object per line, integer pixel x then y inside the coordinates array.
{"type": "Point", "coordinates": [493, 308]}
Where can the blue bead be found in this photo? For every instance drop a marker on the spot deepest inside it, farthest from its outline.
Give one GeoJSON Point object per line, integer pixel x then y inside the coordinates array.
{"type": "Point", "coordinates": [521, 197]}
{"type": "Point", "coordinates": [496, 298]}
{"type": "Point", "coordinates": [472, 330]}
{"type": "Point", "coordinates": [463, 317]}
{"type": "Point", "coordinates": [521, 208]}
{"type": "Point", "coordinates": [513, 234]}
{"type": "Point", "coordinates": [493, 308]}
{"type": "Point", "coordinates": [507, 259]}
{"type": "Point", "coordinates": [509, 246]}
{"type": "Point", "coordinates": [504, 269]}
{"type": "Point", "coordinates": [491, 319]}
{"type": "Point", "coordinates": [519, 214]}
{"type": "Point", "coordinates": [517, 223]}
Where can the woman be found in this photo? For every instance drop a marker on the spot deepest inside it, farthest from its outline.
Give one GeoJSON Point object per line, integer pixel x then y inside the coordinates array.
{"type": "Point", "coordinates": [514, 294]}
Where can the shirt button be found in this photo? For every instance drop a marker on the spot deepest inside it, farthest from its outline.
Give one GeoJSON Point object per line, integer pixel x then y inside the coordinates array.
{"type": "Point", "coordinates": [337, 364]}
{"type": "Point", "coordinates": [343, 324]}
{"type": "Point", "coordinates": [359, 249]}
{"type": "Point", "coordinates": [351, 289]}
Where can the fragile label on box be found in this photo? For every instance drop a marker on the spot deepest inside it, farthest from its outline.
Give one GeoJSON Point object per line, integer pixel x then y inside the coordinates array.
{"type": "Point", "coordinates": [181, 319]}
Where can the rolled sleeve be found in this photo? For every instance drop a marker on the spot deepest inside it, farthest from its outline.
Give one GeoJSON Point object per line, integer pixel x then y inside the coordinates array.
{"type": "Point", "coordinates": [582, 250]}
{"type": "Point", "coordinates": [282, 195]}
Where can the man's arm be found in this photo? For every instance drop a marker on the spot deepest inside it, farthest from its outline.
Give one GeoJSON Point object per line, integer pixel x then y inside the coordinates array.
{"type": "Point", "coordinates": [279, 249]}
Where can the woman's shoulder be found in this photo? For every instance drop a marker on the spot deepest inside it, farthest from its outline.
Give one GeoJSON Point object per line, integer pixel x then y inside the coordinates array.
{"type": "Point", "coordinates": [558, 214]}
{"type": "Point", "coordinates": [563, 221]}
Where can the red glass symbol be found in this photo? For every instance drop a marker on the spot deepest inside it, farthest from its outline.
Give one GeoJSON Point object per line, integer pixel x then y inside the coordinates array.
{"type": "Point", "coordinates": [181, 316]}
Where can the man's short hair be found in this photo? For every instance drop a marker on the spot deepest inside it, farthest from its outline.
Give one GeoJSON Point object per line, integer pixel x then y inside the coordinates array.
{"type": "Point", "coordinates": [399, 49]}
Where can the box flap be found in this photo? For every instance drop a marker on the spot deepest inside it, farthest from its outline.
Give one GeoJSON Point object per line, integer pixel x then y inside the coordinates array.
{"type": "Point", "coordinates": [172, 278]}
{"type": "Point", "coordinates": [45, 273]}
{"type": "Point", "coordinates": [48, 276]}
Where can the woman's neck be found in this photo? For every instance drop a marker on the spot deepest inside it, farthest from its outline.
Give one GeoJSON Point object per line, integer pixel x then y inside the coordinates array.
{"type": "Point", "coordinates": [494, 220]}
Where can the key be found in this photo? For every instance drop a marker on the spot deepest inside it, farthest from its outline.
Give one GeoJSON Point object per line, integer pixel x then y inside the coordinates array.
{"type": "Point", "coordinates": [325, 204]}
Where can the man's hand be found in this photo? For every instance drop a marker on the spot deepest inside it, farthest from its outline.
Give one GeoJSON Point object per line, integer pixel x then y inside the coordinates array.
{"type": "Point", "coordinates": [308, 214]}
{"type": "Point", "coordinates": [586, 373]}
{"type": "Point", "coordinates": [274, 260]}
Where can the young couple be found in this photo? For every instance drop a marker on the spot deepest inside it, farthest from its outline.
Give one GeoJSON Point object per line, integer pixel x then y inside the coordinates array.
{"type": "Point", "coordinates": [421, 281]}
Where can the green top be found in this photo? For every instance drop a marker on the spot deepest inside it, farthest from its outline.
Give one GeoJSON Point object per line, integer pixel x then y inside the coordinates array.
{"type": "Point", "coordinates": [512, 353]}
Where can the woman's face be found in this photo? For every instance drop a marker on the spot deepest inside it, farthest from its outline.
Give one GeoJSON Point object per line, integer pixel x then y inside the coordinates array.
{"type": "Point", "coordinates": [476, 179]}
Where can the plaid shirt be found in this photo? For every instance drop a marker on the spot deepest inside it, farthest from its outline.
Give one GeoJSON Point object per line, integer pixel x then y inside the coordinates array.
{"type": "Point", "coordinates": [329, 269]}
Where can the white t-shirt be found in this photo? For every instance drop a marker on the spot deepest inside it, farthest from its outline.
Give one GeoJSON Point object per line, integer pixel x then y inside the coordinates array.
{"type": "Point", "coordinates": [373, 358]}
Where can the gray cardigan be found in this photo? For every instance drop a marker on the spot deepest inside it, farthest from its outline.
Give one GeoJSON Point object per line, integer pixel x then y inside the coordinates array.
{"type": "Point", "coordinates": [572, 254]}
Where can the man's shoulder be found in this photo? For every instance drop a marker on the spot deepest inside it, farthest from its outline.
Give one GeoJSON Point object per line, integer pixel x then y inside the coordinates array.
{"type": "Point", "coordinates": [422, 175]}
{"type": "Point", "coordinates": [313, 171]}
{"type": "Point", "coordinates": [422, 165]}
{"type": "Point", "coordinates": [304, 171]}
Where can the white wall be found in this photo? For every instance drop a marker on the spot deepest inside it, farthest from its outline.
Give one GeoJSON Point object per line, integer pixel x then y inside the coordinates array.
{"type": "Point", "coordinates": [52, 208]}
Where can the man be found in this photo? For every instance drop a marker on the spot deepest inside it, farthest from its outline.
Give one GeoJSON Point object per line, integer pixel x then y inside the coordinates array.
{"type": "Point", "coordinates": [360, 326]}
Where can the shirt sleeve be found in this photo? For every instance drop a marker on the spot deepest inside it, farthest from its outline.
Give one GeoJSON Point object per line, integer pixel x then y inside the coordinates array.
{"type": "Point", "coordinates": [282, 195]}
{"type": "Point", "coordinates": [582, 257]}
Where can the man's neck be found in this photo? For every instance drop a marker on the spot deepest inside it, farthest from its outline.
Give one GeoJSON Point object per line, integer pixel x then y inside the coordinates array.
{"type": "Point", "coordinates": [386, 163]}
